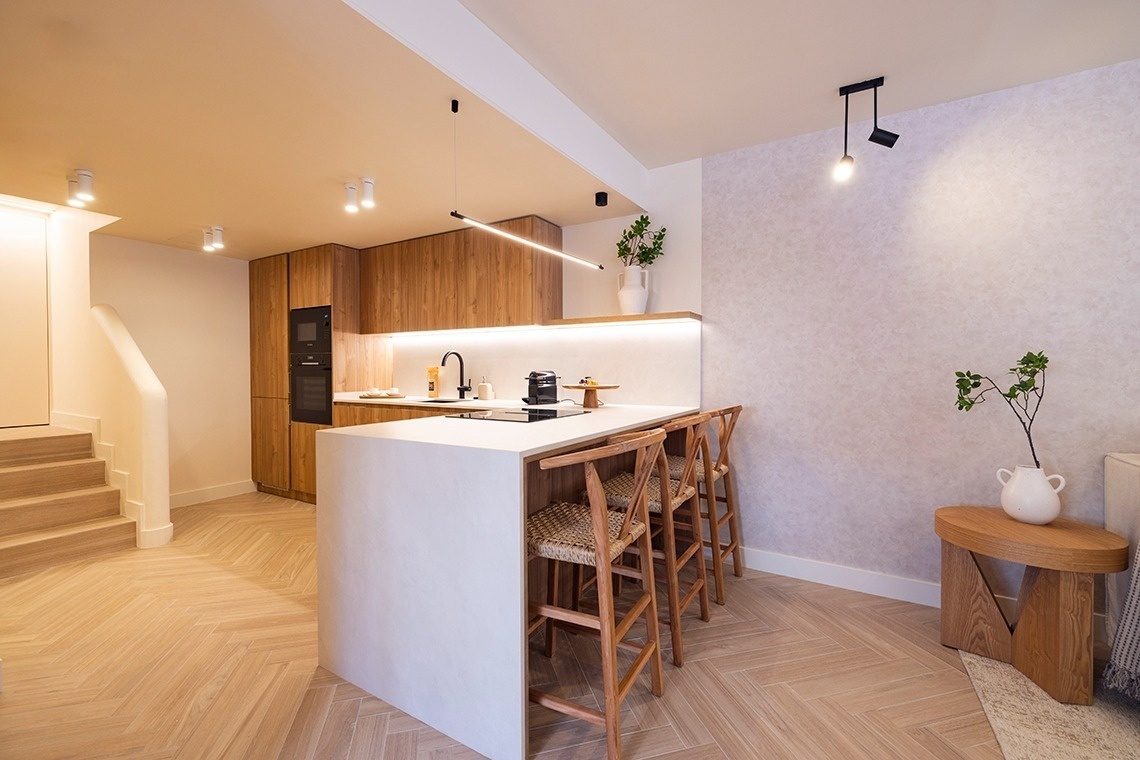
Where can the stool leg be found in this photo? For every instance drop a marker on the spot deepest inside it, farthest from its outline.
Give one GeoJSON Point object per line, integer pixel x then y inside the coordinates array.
{"type": "Point", "coordinates": [553, 583]}
{"type": "Point", "coordinates": [699, 539]}
{"type": "Point", "coordinates": [733, 525]}
{"type": "Point", "coordinates": [608, 642]}
{"type": "Point", "coordinates": [714, 538]}
{"type": "Point", "coordinates": [669, 541]}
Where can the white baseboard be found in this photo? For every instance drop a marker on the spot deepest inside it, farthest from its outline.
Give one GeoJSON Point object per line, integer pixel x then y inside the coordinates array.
{"type": "Point", "coordinates": [851, 578]}
{"type": "Point", "coordinates": [186, 498]}
{"type": "Point", "coordinates": [148, 539]}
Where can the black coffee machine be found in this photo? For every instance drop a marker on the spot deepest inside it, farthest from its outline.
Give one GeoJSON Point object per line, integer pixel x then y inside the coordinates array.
{"type": "Point", "coordinates": [542, 388]}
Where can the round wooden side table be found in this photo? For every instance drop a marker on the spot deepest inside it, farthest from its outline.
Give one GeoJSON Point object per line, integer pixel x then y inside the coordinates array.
{"type": "Point", "coordinates": [1050, 638]}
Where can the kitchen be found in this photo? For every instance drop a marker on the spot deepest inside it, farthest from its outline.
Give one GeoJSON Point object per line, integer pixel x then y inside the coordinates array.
{"type": "Point", "coordinates": [795, 283]}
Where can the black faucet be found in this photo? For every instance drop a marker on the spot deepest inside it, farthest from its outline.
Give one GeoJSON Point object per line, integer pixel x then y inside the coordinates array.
{"type": "Point", "coordinates": [461, 387]}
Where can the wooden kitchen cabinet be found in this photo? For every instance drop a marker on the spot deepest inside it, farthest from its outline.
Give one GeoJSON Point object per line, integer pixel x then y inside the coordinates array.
{"type": "Point", "coordinates": [465, 278]}
{"type": "Point", "coordinates": [269, 371]}
{"type": "Point", "coordinates": [346, 415]}
{"type": "Point", "coordinates": [269, 418]}
{"type": "Point", "coordinates": [283, 452]}
{"type": "Point", "coordinates": [269, 327]}
{"type": "Point", "coordinates": [303, 459]}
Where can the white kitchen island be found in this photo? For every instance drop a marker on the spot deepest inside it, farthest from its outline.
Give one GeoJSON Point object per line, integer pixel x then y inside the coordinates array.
{"type": "Point", "coordinates": [421, 564]}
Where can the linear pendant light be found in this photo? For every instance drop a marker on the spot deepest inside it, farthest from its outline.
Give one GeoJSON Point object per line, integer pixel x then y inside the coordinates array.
{"type": "Point", "coordinates": [524, 241]}
{"type": "Point", "coordinates": [495, 230]}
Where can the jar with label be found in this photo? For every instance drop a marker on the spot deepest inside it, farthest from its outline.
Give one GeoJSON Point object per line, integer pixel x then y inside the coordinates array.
{"type": "Point", "coordinates": [433, 381]}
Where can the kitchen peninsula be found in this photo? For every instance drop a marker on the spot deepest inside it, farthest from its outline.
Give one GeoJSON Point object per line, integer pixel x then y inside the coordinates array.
{"type": "Point", "coordinates": [421, 561]}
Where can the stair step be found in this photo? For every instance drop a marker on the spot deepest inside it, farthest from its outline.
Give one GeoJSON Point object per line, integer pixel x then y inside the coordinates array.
{"type": "Point", "coordinates": [51, 477]}
{"type": "Point", "coordinates": [57, 509]}
{"type": "Point", "coordinates": [35, 550]}
{"type": "Point", "coordinates": [45, 443]}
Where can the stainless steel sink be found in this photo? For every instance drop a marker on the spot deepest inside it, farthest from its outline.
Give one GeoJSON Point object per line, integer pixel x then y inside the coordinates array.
{"type": "Point", "coordinates": [442, 400]}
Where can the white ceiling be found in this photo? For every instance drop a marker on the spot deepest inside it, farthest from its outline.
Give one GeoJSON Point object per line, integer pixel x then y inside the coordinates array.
{"type": "Point", "coordinates": [673, 80]}
{"type": "Point", "coordinates": [252, 114]}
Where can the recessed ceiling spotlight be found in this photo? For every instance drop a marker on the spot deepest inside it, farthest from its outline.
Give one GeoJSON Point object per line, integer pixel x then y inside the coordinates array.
{"type": "Point", "coordinates": [367, 198]}
{"type": "Point", "coordinates": [350, 198]}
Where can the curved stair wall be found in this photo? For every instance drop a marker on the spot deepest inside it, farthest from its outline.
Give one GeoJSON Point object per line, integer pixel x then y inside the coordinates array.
{"type": "Point", "coordinates": [135, 421]}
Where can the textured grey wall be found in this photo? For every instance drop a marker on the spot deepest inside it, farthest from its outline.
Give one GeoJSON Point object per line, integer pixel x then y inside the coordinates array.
{"type": "Point", "coordinates": [838, 313]}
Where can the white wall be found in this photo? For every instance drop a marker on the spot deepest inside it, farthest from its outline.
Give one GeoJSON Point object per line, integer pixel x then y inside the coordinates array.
{"type": "Point", "coordinates": [674, 279]}
{"type": "Point", "coordinates": [189, 314]}
{"type": "Point", "coordinates": [25, 375]}
{"type": "Point", "coordinates": [838, 314]}
{"type": "Point", "coordinates": [654, 363]}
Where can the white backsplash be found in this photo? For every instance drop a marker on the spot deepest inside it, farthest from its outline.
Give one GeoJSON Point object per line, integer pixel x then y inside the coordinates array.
{"type": "Point", "coordinates": [654, 363]}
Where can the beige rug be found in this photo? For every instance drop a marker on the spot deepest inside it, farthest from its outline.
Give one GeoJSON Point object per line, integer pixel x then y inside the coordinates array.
{"type": "Point", "coordinates": [1030, 725]}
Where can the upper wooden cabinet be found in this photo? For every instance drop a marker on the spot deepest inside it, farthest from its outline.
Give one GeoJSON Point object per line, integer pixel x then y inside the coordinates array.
{"type": "Point", "coordinates": [325, 275]}
{"type": "Point", "coordinates": [465, 278]}
{"type": "Point", "coordinates": [269, 327]}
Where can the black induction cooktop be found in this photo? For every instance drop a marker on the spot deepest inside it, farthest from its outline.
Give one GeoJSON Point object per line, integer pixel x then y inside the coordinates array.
{"type": "Point", "coordinates": [520, 415]}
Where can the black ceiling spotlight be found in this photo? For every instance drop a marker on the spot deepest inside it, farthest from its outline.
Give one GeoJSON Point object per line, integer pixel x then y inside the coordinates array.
{"type": "Point", "coordinates": [601, 198]}
{"type": "Point", "coordinates": [879, 136]}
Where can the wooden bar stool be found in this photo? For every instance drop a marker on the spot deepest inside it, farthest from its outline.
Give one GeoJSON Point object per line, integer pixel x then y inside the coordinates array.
{"type": "Point", "coordinates": [662, 506]}
{"type": "Point", "coordinates": [594, 535]}
{"type": "Point", "coordinates": [710, 470]}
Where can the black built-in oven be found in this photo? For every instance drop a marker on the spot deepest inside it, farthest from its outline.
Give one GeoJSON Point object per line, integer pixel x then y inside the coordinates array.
{"type": "Point", "coordinates": [310, 365]}
{"type": "Point", "coordinates": [310, 388]}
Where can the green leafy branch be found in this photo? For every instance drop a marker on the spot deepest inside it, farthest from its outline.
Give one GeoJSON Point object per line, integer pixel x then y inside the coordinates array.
{"type": "Point", "coordinates": [639, 244]}
{"type": "Point", "coordinates": [1023, 397]}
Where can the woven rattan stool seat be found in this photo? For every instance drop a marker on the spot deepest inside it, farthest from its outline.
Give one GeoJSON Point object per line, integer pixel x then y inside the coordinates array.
{"type": "Point", "coordinates": [619, 489]}
{"type": "Point", "coordinates": [563, 531]}
{"type": "Point", "coordinates": [677, 465]}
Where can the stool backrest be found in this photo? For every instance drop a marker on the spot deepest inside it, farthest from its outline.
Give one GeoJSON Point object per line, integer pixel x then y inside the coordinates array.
{"type": "Point", "coordinates": [647, 445]}
{"type": "Point", "coordinates": [696, 433]}
{"type": "Point", "coordinates": [726, 418]}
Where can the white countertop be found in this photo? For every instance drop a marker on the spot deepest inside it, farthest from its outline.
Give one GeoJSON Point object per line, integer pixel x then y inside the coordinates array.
{"type": "Point", "coordinates": [526, 439]}
{"type": "Point", "coordinates": [353, 397]}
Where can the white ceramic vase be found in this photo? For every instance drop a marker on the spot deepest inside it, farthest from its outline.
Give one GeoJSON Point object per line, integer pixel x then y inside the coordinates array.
{"type": "Point", "coordinates": [1028, 495]}
{"type": "Point", "coordinates": [633, 289]}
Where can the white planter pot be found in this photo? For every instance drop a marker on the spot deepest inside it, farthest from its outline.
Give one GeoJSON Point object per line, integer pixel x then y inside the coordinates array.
{"type": "Point", "coordinates": [633, 289]}
{"type": "Point", "coordinates": [1028, 496]}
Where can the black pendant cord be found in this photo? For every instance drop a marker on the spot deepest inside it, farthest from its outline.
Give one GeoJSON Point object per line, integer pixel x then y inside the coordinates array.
{"type": "Point", "coordinates": [876, 108]}
{"type": "Point", "coordinates": [846, 111]}
{"type": "Point", "coordinates": [455, 153]}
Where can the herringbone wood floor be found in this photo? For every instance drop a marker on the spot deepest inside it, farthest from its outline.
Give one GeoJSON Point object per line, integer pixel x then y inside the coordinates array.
{"type": "Point", "coordinates": [206, 648]}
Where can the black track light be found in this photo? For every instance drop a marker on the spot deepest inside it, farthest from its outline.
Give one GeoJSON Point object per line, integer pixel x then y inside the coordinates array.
{"type": "Point", "coordinates": [601, 198]}
{"type": "Point", "coordinates": [846, 165]}
{"type": "Point", "coordinates": [881, 136]}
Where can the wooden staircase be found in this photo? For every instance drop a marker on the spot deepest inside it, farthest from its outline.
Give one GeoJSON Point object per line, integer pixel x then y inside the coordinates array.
{"type": "Point", "coordinates": [55, 504]}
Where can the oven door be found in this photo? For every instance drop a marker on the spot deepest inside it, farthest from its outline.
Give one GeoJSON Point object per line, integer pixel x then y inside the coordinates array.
{"type": "Point", "coordinates": [310, 388]}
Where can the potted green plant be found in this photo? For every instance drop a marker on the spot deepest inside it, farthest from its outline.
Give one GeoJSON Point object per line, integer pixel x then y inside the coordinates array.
{"type": "Point", "coordinates": [1027, 493]}
{"type": "Point", "coordinates": [638, 247]}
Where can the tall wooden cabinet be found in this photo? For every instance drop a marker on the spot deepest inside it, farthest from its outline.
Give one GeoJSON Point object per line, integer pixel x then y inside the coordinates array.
{"type": "Point", "coordinates": [269, 370]}
{"type": "Point", "coordinates": [284, 452]}
{"type": "Point", "coordinates": [465, 278]}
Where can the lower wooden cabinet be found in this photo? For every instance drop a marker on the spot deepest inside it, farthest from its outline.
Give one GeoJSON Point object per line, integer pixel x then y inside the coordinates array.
{"type": "Point", "coordinates": [270, 438]}
{"type": "Point", "coordinates": [345, 415]}
{"type": "Point", "coordinates": [285, 453]}
{"type": "Point", "coordinates": [303, 456]}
